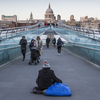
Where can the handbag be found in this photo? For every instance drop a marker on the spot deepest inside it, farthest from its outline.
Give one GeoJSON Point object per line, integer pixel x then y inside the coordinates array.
{"type": "Point", "coordinates": [40, 52]}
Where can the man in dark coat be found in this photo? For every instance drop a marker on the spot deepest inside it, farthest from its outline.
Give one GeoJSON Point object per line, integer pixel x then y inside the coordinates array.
{"type": "Point", "coordinates": [54, 41]}
{"type": "Point", "coordinates": [59, 44]}
{"type": "Point", "coordinates": [46, 77]}
{"type": "Point", "coordinates": [23, 43]}
{"type": "Point", "coordinates": [47, 42]}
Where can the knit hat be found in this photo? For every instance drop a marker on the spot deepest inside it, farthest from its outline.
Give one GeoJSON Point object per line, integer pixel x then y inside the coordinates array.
{"type": "Point", "coordinates": [46, 64]}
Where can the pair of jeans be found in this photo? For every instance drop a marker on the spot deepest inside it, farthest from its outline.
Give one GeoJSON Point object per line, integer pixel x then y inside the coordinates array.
{"type": "Point", "coordinates": [47, 45]}
{"type": "Point", "coordinates": [59, 49]}
{"type": "Point", "coordinates": [54, 44]}
{"type": "Point", "coordinates": [23, 55]}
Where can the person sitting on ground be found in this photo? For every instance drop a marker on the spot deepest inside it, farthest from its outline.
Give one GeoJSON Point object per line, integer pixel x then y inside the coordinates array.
{"type": "Point", "coordinates": [31, 44]}
{"type": "Point", "coordinates": [46, 77]}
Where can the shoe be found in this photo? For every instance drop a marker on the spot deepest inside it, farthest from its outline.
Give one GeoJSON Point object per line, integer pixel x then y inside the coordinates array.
{"type": "Point", "coordinates": [59, 53]}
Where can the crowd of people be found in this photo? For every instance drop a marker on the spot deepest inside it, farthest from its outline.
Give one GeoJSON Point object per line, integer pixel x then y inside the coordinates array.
{"type": "Point", "coordinates": [46, 76]}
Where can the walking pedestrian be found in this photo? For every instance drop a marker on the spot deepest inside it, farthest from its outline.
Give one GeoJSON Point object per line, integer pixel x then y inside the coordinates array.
{"type": "Point", "coordinates": [39, 45]}
{"type": "Point", "coordinates": [54, 41]}
{"type": "Point", "coordinates": [23, 43]}
{"type": "Point", "coordinates": [59, 44]}
{"type": "Point", "coordinates": [47, 42]}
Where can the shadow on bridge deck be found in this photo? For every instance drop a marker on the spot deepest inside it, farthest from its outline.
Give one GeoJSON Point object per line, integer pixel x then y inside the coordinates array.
{"type": "Point", "coordinates": [18, 78]}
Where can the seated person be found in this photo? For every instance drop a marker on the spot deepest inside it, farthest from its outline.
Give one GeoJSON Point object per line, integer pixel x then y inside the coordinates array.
{"type": "Point", "coordinates": [46, 77]}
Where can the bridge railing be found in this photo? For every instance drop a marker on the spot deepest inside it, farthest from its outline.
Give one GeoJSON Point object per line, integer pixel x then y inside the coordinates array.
{"type": "Point", "coordinates": [82, 29]}
{"type": "Point", "coordinates": [89, 54]}
{"type": "Point", "coordinates": [16, 30]}
{"type": "Point", "coordinates": [9, 54]}
{"type": "Point", "coordinates": [95, 46]}
{"type": "Point", "coordinates": [16, 33]}
{"type": "Point", "coordinates": [92, 36]}
{"type": "Point", "coordinates": [23, 33]}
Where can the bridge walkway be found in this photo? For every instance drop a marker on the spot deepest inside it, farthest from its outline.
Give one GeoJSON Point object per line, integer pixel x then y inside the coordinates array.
{"type": "Point", "coordinates": [18, 78]}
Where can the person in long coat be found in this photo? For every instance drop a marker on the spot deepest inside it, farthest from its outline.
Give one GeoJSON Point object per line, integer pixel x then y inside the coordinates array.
{"type": "Point", "coordinates": [23, 43]}
{"type": "Point", "coordinates": [39, 45]}
{"type": "Point", "coordinates": [59, 44]}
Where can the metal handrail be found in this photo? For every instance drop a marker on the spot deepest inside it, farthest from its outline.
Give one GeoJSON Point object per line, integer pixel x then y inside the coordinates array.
{"type": "Point", "coordinates": [76, 42]}
{"type": "Point", "coordinates": [84, 47]}
{"type": "Point", "coordinates": [65, 43]}
{"type": "Point", "coordinates": [60, 23]}
{"type": "Point", "coordinates": [9, 48]}
{"type": "Point", "coordinates": [86, 44]}
{"type": "Point", "coordinates": [82, 33]}
{"type": "Point", "coordinates": [18, 43]}
{"type": "Point", "coordinates": [77, 45]}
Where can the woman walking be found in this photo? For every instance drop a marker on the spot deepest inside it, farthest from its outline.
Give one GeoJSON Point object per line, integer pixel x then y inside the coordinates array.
{"type": "Point", "coordinates": [23, 43]}
{"type": "Point", "coordinates": [39, 44]}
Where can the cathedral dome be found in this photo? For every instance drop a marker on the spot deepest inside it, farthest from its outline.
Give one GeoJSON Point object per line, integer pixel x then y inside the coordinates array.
{"type": "Point", "coordinates": [49, 10]}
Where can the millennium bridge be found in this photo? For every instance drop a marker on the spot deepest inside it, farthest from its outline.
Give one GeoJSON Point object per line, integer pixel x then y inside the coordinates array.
{"type": "Point", "coordinates": [78, 65]}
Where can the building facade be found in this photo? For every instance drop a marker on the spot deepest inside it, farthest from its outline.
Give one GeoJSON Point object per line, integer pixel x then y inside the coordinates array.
{"type": "Point", "coordinates": [58, 17]}
{"type": "Point", "coordinates": [9, 18]}
{"type": "Point", "coordinates": [49, 18]}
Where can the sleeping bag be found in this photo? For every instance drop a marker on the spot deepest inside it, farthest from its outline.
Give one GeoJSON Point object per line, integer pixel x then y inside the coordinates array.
{"type": "Point", "coordinates": [58, 89]}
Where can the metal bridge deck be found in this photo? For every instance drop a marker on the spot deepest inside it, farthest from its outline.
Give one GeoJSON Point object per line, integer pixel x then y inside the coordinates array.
{"type": "Point", "coordinates": [18, 78]}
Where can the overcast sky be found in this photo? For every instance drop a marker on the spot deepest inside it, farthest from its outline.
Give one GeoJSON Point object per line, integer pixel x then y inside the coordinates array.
{"type": "Point", "coordinates": [23, 8]}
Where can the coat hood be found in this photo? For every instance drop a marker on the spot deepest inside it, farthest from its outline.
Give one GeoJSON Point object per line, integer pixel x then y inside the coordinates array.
{"type": "Point", "coordinates": [32, 40]}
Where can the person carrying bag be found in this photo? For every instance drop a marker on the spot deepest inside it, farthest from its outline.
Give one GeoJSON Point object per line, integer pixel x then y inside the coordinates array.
{"type": "Point", "coordinates": [39, 44]}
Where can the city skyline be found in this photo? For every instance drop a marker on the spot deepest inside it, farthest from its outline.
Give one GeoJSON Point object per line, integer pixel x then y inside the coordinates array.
{"type": "Point", "coordinates": [66, 8]}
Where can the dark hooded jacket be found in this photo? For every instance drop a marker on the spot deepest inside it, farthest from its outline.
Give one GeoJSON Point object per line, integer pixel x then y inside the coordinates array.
{"type": "Point", "coordinates": [59, 42]}
{"type": "Point", "coordinates": [46, 78]}
{"type": "Point", "coordinates": [47, 40]}
{"type": "Point", "coordinates": [23, 44]}
{"type": "Point", "coordinates": [54, 40]}
{"type": "Point", "coordinates": [31, 44]}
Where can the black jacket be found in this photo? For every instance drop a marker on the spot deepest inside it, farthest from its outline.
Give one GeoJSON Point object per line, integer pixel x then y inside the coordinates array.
{"type": "Point", "coordinates": [46, 78]}
{"type": "Point", "coordinates": [54, 41]}
{"type": "Point", "coordinates": [59, 42]}
{"type": "Point", "coordinates": [23, 44]}
{"type": "Point", "coordinates": [47, 40]}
